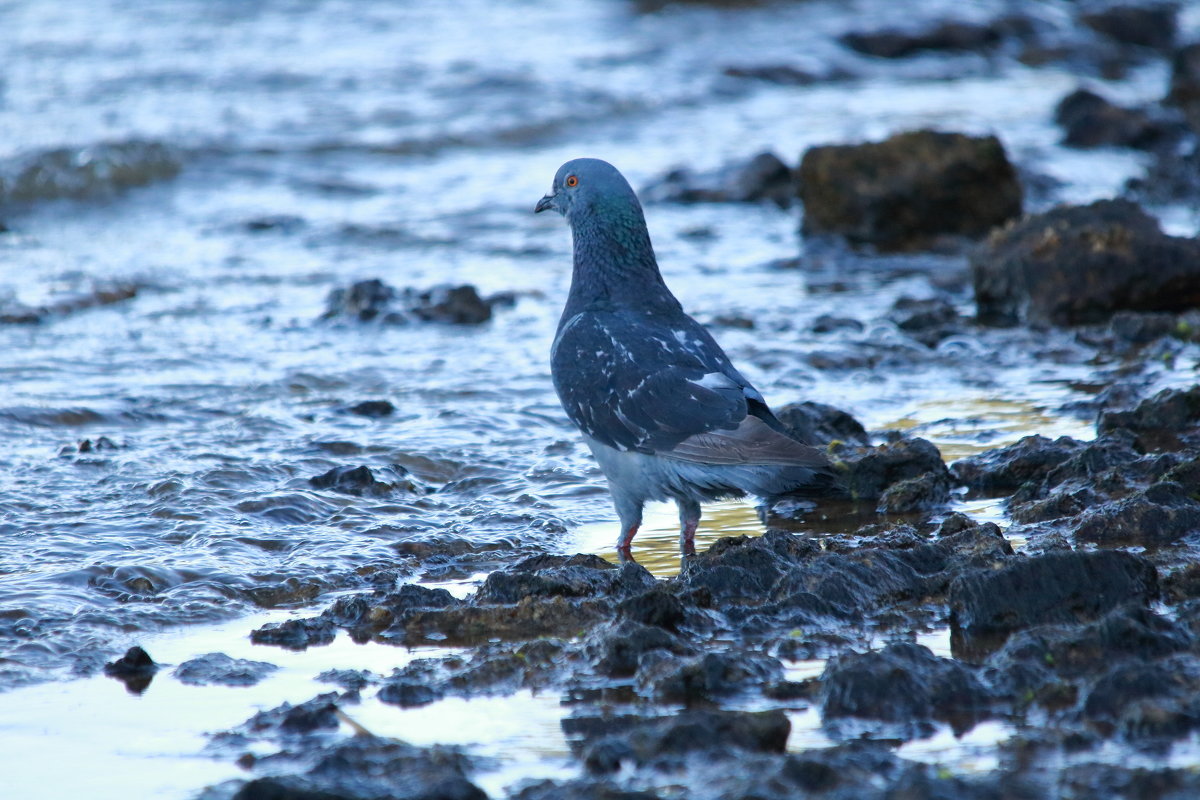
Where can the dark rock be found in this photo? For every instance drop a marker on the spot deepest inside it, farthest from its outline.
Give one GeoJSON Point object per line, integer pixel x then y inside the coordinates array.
{"type": "Point", "coordinates": [135, 669]}
{"type": "Point", "coordinates": [373, 408]}
{"type": "Point", "coordinates": [352, 680]}
{"type": "Point", "coordinates": [284, 223]}
{"type": "Point", "coordinates": [870, 471]}
{"type": "Point", "coordinates": [947, 36]}
{"type": "Point", "coordinates": [382, 609]}
{"type": "Point", "coordinates": [319, 713]}
{"type": "Point", "coordinates": [720, 734]}
{"type": "Point", "coordinates": [927, 321]}
{"type": "Point", "coordinates": [763, 177]}
{"type": "Point", "coordinates": [818, 424]}
{"type": "Point", "coordinates": [781, 74]}
{"type": "Point", "coordinates": [219, 669]}
{"type": "Point", "coordinates": [1079, 264]}
{"type": "Point", "coordinates": [408, 694]}
{"type": "Point", "coordinates": [656, 607]}
{"type": "Point", "coordinates": [371, 768]}
{"type": "Point", "coordinates": [618, 651]}
{"type": "Point", "coordinates": [707, 677]}
{"type": "Point", "coordinates": [1151, 25]}
{"type": "Point", "coordinates": [1145, 701]}
{"type": "Point", "coordinates": [905, 685]}
{"type": "Point", "coordinates": [295, 634]}
{"type": "Point", "coordinates": [1161, 515]}
{"type": "Point", "coordinates": [1056, 587]}
{"type": "Point", "coordinates": [531, 618]}
{"type": "Point", "coordinates": [357, 481]}
{"type": "Point", "coordinates": [458, 305]}
{"type": "Point", "coordinates": [1164, 422]}
{"type": "Point", "coordinates": [1184, 91]}
{"type": "Point", "coordinates": [70, 303]}
{"type": "Point", "coordinates": [580, 789]}
{"type": "Point", "coordinates": [922, 493]}
{"type": "Point", "coordinates": [902, 193]}
{"type": "Point", "coordinates": [1008, 468]}
{"type": "Point", "coordinates": [827, 323]}
{"type": "Point", "coordinates": [559, 576]}
{"type": "Point", "coordinates": [364, 300]}
{"type": "Point", "coordinates": [1091, 121]}
{"type": "Point", "coordinates": [374, 300]}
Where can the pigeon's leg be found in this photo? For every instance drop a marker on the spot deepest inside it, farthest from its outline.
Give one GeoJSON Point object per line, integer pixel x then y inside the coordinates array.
{"type": "Point", "coordinates": [630, 512]}
{"type": "Point", "coordinates": [689, 518]}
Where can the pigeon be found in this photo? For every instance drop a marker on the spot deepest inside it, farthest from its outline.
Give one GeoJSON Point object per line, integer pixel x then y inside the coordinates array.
{"type": "Point", "coordinates": [663, 410]}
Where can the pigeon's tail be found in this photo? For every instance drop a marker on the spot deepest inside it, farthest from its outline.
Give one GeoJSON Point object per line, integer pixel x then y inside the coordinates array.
{"type": "Point", "coordinates": [801, 482]}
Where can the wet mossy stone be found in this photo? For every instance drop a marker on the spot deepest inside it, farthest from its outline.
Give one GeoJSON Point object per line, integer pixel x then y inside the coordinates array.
{"type": "Point", "coordinates": [870, 471]}
{"type": "Point", "coordinates": [1005, 469]}
{"type": "Point", "coordinates": [763, 177]}
{"type": "Point", "coordinates": [564, 576]}
{"type": "Point", "coordinates": [818, 424]}
{"type": "Point", "coordinates": [1158, 422]}
{"type": "Point", "coordinates": [904, 684]}
{"type": "Point", "coordinates": [1161, 515]}
{"type": "Point", "coordinates": [1088, 120]}
{"type": "Point", "coordinates": [908, 190]}
{"type": "Point", "coordinates": [222, 670]}
{"type": "Point", "coordinates": [1079, 264]}
{"type": "Point", "coordinates": [1059, 587]}
{"type": "Point", "coordinates": [295, 634]}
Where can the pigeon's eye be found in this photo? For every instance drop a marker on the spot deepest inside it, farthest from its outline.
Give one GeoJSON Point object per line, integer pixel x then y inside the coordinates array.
{"type": "Point", "coordinates": [572, 181]}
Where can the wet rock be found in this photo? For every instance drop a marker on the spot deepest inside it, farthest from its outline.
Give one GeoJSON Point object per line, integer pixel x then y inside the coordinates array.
{"type": "Point", "coordinates": [373, 408]}
{"type": "Point", "coordinates": [580, 789]}
{"type": "Point", "coordinates": [818, 424]}
{"type": "Point", "coordinates": [1168, 421]}
{"type": "Point", "coordinates": [101, 295]}
{"type": "Point", "coordinates": [352, 680]}
{"type": "Point", "coordinates": [719, 734]}
{"type": "Point", "coordinates": [1142, 701]}
{"type": "Point", "coordinates": [1153, 25]}
{"type": "Point", "coordinates": [922, 493]}
{"type": "Point", "coordinates": [295, 634]}
{"type": "Point", "coordinates": [532, 618]}
{"type": "Point", "coordinates": [371, 768]}
{"type": "Point", "coordinates": [1005, 469]}
{"type": "Point", "coordinates": [1079, 264]}
{"type": "Point", "coordinates": [1184, 90]}
{"type": "Point", "coordinates": [928, 321]}
{"type": "Point", "coordinates": [1057, 587]}
{"type": "Point", "coordinates": [657, 608]}
{"type": "Point", "coordinates": [374, 300]}
{"type": "Point", "coordinates": [950, 36]}
{"type": "Point", "coordinates": [96, 170]}
{"type": "Point", "coordinates": [135, 669]}
{"type": "Point", "coordinates": [459, 305]}
{"type": "Point", "coordinates": [219, 669]}
{"type": "Point", "coordinates": [357, 481]}
{"type": "Point", "coordinates": [409, 694]}
{"type": "Point", "coordinates": [382, 609]}
{"type": "Point", "coordinates": [619, 650]}
{"type": "Point", "coordinates": [281, 223]}
{"type": "Point", "coordinates": [563, 576]}
{"type": "Point", "coordinates": [763, 177]}
{"type": "Point", "coordinates": [318, 714]}
{"type": "Point", "coordinates": [1089, 120]}
{"type": "Point", "coordinates": [827, 323]}
{"type": "Point", "coordinates": [1162, 515]}
{"type": "Point", "coordinates": [902, 193]}
{"type": "Point", "coordinates": [707, 677]}
{"type": "Point", "coordinates": [904, 685]}
{"type": "Point", "coordinates": [870, 471]}
{"type": "Point", "coordinates": [782, 74]}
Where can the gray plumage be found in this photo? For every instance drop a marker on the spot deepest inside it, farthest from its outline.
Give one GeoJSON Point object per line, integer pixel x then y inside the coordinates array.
{"type": "Point", "coordinates": [662, 408]}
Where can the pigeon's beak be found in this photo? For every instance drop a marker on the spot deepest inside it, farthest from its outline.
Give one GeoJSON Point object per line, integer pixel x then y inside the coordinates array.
{"type": "Point", "coordinates": [543, 204]}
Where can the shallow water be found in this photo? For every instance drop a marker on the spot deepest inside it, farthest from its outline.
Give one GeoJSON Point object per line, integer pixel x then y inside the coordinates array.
{"type": "Point", "coordinates": [284, 150]}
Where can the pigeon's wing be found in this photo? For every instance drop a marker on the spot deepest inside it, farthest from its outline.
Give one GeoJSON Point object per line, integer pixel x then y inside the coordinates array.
{"type": "Point", "coordinates": [664, 386]}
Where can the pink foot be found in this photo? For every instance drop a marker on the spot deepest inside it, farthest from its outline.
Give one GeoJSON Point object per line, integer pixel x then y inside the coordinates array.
{"type": "Point", "coordinates": [687, 539]}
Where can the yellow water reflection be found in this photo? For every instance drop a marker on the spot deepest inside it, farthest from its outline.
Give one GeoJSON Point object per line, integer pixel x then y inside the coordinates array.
{"type": "Point", "coordinates": [656, 546]}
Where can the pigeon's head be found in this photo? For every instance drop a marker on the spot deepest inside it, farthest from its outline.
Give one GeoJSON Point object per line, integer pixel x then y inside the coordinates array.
{"type": "Point", "coordinates": [587, 185]}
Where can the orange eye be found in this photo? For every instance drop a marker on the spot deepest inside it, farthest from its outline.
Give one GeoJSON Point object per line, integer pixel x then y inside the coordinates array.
{"type": "Point", "coordinates": [572, 181]}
